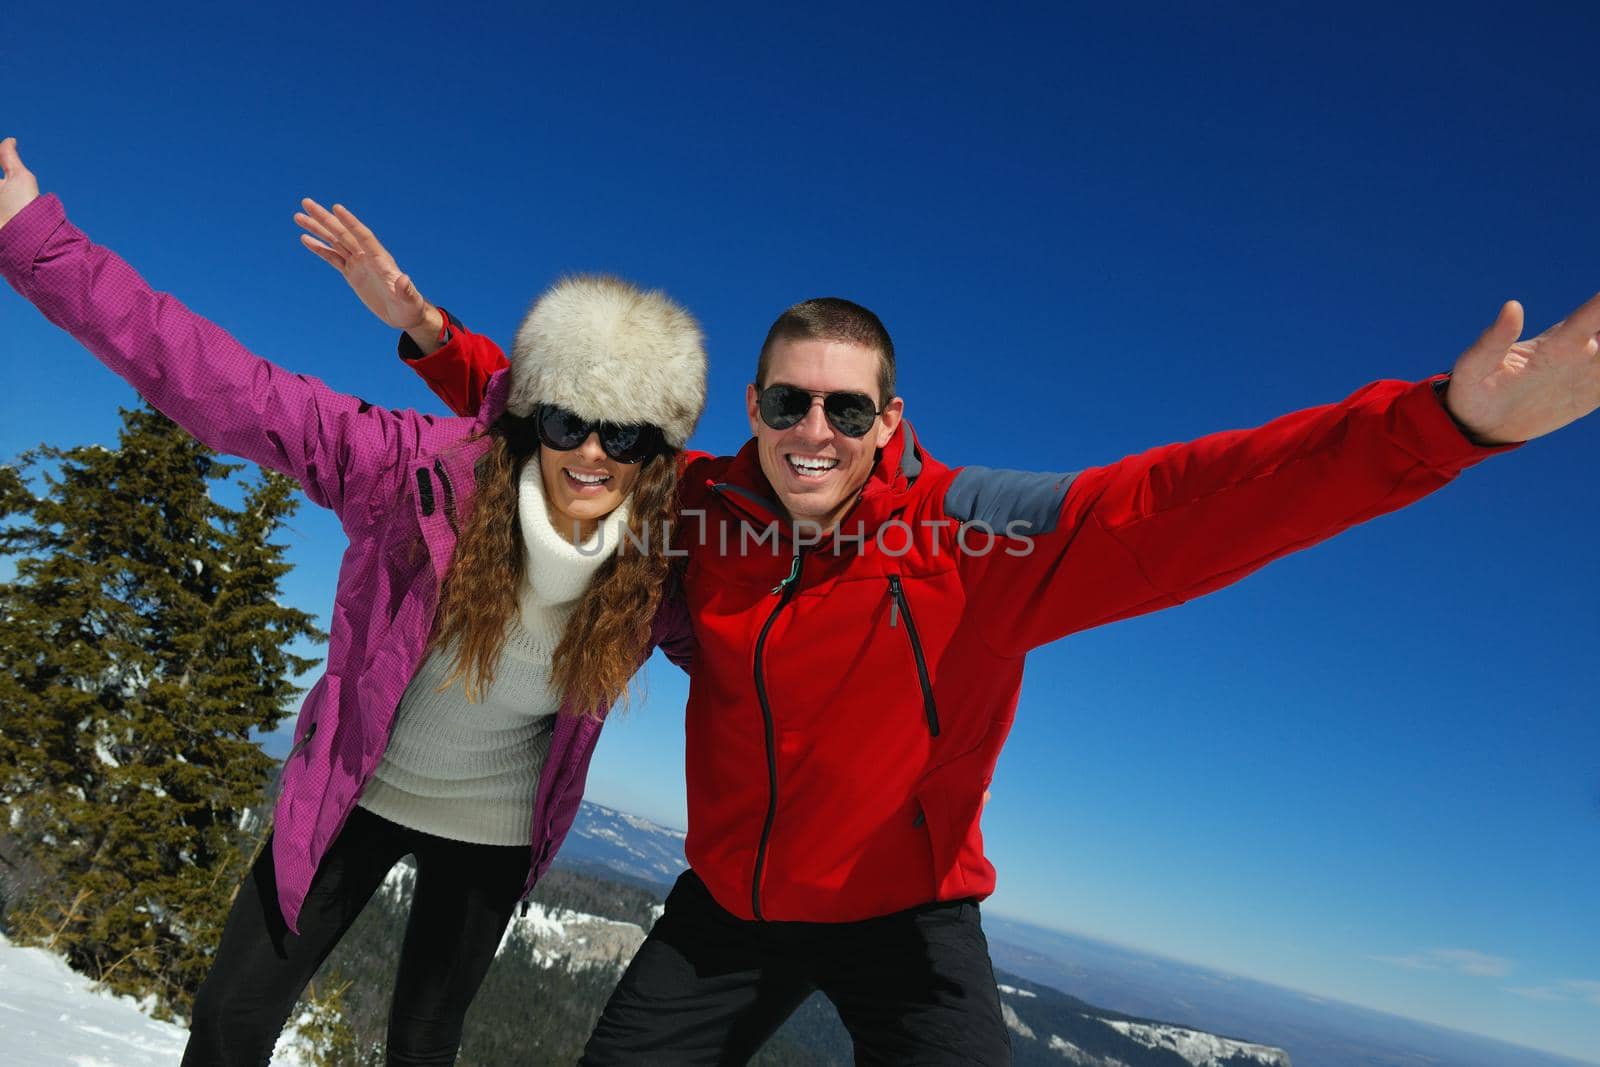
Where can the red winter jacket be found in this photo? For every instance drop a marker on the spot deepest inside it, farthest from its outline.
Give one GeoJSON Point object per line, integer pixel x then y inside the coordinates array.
{"type": "Point", "coordinates": [849, 699]}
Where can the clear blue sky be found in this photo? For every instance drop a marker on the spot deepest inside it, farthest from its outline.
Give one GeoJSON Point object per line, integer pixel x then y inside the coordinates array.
{"type": "Point", "coordinates": [1371, 771]}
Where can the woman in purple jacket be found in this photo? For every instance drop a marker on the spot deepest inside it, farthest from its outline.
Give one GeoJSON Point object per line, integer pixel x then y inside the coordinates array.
{"type": "Point", "coordinates": [503, 581]}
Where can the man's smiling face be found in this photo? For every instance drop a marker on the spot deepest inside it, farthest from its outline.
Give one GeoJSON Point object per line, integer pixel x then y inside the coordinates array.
{"type": "Point", "coordinates": [816, 470]}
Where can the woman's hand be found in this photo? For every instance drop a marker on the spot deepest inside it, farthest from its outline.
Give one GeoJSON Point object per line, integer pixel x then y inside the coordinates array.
{"type": "Point", "coordinates": [345, 244]}
{"type": "Point", "coordinates": [18, 187]}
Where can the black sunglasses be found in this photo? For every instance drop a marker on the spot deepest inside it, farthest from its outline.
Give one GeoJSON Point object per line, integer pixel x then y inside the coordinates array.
{"type": "Point", "coordinates": [852, 414]}
{"type": "Point", "coordinates": [629, 442]}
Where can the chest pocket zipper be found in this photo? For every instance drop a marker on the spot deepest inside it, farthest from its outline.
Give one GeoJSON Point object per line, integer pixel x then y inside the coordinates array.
{"type": "Point", "coordinates": [898, 609]}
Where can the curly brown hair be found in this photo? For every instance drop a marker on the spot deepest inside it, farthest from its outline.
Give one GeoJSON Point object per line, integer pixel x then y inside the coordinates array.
{"type": "Point", "coordinates": [608, 634]}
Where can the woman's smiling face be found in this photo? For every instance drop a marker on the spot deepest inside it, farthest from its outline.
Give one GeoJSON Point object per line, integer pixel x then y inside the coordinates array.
{"type": "Point", "coordinates": [582, 486]}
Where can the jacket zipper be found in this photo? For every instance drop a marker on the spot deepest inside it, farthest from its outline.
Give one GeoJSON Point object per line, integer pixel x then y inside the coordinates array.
{"type": "Point", "coordinates": [784, 591]}
{"type": "Point", "coordinates": [900, 607]}
{"type": "Point", "coordinates": [449, 497]}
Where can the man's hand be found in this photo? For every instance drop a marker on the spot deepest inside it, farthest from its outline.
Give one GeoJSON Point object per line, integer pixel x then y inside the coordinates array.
{"type": "Point", "coordinates": [18, 187]}
{"type": "Point", "coordinates": [1503, 390]}
{"type": "Point", "coordinates": [341, 240]}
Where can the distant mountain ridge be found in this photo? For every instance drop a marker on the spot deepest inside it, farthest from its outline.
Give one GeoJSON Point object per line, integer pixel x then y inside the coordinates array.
{"type": "Point", "coordinates": [1315, 1031]}
{"type": "Point", "coordinates": [604, 839]}
{"type": "Point", "coordinates": [1047, 1026]}
{"type": "Point", "coordinates": [1050, 1027]}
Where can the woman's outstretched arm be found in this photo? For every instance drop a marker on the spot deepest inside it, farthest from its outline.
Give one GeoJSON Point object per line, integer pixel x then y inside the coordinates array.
{"type": "Point", "coordinates": [346, 453]}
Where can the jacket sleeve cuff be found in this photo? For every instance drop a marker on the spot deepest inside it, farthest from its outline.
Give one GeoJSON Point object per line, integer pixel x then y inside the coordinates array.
{"type": "Point", "coordinates": [1427, 429]}
{"type": "Point", "coordinates": [411, 352]}
{"type": "Point", "coordinates": [25, 234]}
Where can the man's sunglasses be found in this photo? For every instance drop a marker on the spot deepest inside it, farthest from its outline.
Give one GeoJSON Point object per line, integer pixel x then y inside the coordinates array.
{"type": "Point", "coordinates": [629, 442]}
{"type": "Point", "coordinates": [782, 406]}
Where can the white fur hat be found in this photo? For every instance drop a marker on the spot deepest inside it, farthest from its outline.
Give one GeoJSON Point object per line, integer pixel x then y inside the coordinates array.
{"type": "Point", "coordinates": [607, 350]}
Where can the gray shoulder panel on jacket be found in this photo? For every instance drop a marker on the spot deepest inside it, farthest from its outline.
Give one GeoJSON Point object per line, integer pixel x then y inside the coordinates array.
{"type": "Point", "coordinates": [1021, 503]}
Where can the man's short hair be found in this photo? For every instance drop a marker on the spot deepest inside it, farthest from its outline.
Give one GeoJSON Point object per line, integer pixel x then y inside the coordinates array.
{"type": "Point", "coordinates": [832, 318]}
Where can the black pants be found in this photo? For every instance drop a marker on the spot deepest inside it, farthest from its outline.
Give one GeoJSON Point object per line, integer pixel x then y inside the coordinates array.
{"type": "Point", "coordinates": [709, 988]}
{"type": "Point", "coordinates": [463, 900]}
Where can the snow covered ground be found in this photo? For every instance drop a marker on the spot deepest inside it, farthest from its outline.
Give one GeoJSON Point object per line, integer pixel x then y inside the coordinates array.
{"type": "Point", "coordinates": [1199, 1048]}
{"type": "Point", "coordinates": [51, 1016]}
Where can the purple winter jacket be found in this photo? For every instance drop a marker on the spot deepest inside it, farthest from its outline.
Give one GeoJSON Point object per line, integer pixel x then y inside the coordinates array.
{"type": "Point", "coordinates": [397, 480]}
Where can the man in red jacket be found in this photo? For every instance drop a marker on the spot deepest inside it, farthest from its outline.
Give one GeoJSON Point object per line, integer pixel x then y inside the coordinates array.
{"type": "Point", "coordinates": [862, 614]}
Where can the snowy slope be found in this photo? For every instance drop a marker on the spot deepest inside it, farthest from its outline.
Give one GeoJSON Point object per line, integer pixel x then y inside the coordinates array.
{"type": "Point", "coordinates": [50, 1016]}
{"type": "Point", "coordinates": [1199, 1048]}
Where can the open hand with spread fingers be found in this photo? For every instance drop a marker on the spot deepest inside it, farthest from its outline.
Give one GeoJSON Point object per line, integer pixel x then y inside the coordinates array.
{"type": "Point", "coordinates": [18, 187]}
{"type": "Point", "coordinates": [1505, 390]}
{"type": "Point", "coordinates": [345, 244]}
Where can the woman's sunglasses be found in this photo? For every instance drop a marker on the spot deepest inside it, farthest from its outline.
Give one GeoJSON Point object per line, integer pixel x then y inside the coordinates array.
{"type": "Point", "coordinates": [782, 406]}
{"type": "Point", "coordinates": [629, 442]}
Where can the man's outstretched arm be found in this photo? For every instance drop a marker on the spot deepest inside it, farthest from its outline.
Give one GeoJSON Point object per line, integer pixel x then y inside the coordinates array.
{"type": "Point", "coordinates": [1174, 523]}
{"type": "Point", "coordinates": [459, 366]}
{"type": "Point", "coordinates": [1162, 527]}
{"type": "Point", "coordinates": [455, 363]}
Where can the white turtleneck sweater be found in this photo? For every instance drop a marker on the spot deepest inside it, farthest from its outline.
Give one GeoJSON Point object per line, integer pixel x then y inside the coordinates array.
{"type": "Point", "coordinates": [469, 771]}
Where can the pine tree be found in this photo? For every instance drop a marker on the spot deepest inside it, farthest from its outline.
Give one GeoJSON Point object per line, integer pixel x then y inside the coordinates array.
{"type": "Point", "coordinates": [141, 643]}
{"type": "Point", "coordinates": [323, 1031]}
